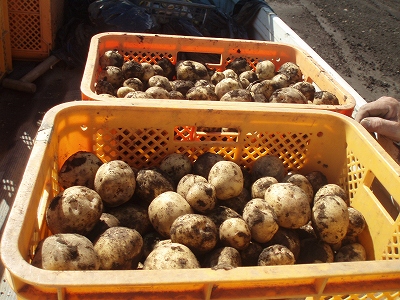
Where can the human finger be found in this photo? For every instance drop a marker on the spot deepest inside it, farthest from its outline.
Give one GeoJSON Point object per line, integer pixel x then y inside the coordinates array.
{"type": "Point", "coordinates": [388, 128]}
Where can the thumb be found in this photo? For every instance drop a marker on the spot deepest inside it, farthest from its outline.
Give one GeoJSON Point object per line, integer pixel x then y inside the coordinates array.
{"type": "Point", "coordinates": [390, 129]}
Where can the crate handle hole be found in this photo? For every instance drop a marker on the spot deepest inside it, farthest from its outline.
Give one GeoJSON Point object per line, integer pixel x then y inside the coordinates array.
{"type": "Point", "coordinates": [387, 201]}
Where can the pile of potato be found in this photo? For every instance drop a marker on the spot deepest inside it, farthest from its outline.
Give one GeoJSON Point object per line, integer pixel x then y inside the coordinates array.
{"type": "Point", "coordinates": [192, 80]}
{"type": "Point", "coordinates": [210, 213]}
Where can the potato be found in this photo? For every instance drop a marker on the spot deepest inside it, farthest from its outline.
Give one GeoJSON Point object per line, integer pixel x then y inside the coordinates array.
{"type": "Point", "coordinates": [238, 95]}
{"type": "Point", "coordinates": [186, 183]}
{"type": "Point", "coordinates": [111, 58]}
{"type": "Point", "coordinates": [205, 83]}
{"type": "Point", "coordinates": [156, 92]}
{"type": "Point", "coordinates": [198, 232]}
{"type": "Point", "coordinates": [182, 86]}
{"type": "Point", "coordinates": [176, 95]}
{"type": "Point", "coordinates": [77, 209]}
{"type": "Point", "coordinates": [250, 76]}
{"type": "Point", "coordinates": [290, 204]}
{"type": "Point", "coordinates": [191, 70]}
{"type": "Point", "coordinates": [217, 77]}
{"type": "Point", "coordinates": [287, 95]}
{"type": "Point", "coordinates": [175, 166]}
{"type": "Point", "coordinates": [306, 88]}
{"type": "Point", "coordinates": [234, 232]}
{"type": "Point", "coordinates": [325, 97]}
{"type": "Point", "coordinates": [137, 95]}
{"type": "Point", "coordinates": [104, 87]}
{"type": "Point", "coordinates": [288, 238]}
{"type": "Point", "coordinates": [165, 208]}
{"type": "Point", "coordinates": [265, 69]}
{"type": "Point", "coordinates": [227, 178]}
{"type": "Point", "coordinates": [132, 69]}
{"type": "Point", "coordinates": [123, 91]}
{"type": "Point", "coordinates": [317, 180]}
{"type": "Point", "coordinates": [250, 255]}
{"type": "Point", "coordinates": [202, 197]}
{"type": "Point", "coordinates": [239, 65]}
{"type": "Point", "coordinates": [239, 202]}
{"type": "Point", "coordinates": [259, 186]}
{"type": "Point", "coordinates": [331, 189]}
{"type": "Point", "coordinates": [268, 166]}
{"type": "Point", "coordinates": [261, 220]}
{"type": "Point", "coordinates": [79, 169]}
{"type": "Point", "coordinates": [276, 255]}
{"type": "Point", "coordinates": [302, 182]}
{"type": "Point", "coordinates": [265, 88]}
{"type": "Point", "coordinates": [229, 73]}
{"type": "Point", "coordinates": [221, 213]}
{"type": "Point", "coordinates": [203, 164]}
{"type": "Point", "coordinates": [330, 219]}
{"type": "Point", "coordinates": [112, 74]}
{"type": "Point", "coordinates": [151, 182]}
{"type": "Point", "coordinates": [351, 252]}
{"type": "Point", "coordinates": [226, 85]}
{"type": "Point", "coordinates": [66, 251]}
{"type": "Point", "coordinates": [357, 222]}
{"type": "Point", "coordinates": [115, 182]}
{"type": "Point", "coordinates": [158, 70]}
{"type": "Point", "coordinates": [171, 256]}
{"type": "Point", "coordinates": [119, 248]}
{"type": "Point", "coordinates": [201, 93]}
{"type": "Point", "coordinates": [291, 70]}
{"type": "Point", "coordinates": [150, 241]}
{"type": "Point", "coordinates": [160, 81]}
{"type": "Point", "coordinates": [225, 258]}
{"type": "Point", "coordinates": [132, 215]}
{"type": "Point", "coordinates": [280, 81]}
{"type": "Point", "coordinates": [106, 221]}
{"type": "Point", "coordinates": [134, 83]}
{"type": "Point", "coordinates": [148, 71]}
{"type": "Point", "coordinates": [167, 67]}
{"type": "Point", "coordinates": [313, 250]}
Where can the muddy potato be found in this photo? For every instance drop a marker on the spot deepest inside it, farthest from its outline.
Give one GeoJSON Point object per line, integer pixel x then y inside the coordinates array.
{"type": "Point", "coordinates": [331, 189]}
{"type": "Point", "coordinates": [317, 180]}
{"type": "Point", "coordinates": [104, 87]}
{"type": "Point", "coordinates": [259, 186]}
{"type": "Point", "coordinates": [134, 83]}
{"type": "Point", "coordinates": [239, 95]}
{"type": "Point", "coordinates": [313, 250]}
{"type": "Point", "coordinates": [357, 222]}
{"type": "Point", "coordinates": [265, 69]}
{"type": "Point", "coordinates": [217, 77]}
{"type": "Point", "coordinates": [226, 85]}
{"type": "Point", "coordinates": [202, 197]}
{"type": "Point", "coordinates": [107, 96]}
{"type": "Point", "coordinates": [176, 95]}
{"type": "Point", "coordinates": [191, 70]}
{"type": "Point", "coordinates": [77, 209]}
{"type": "Point", "coordinates": [276, 255]}
{"type": "Point", "coordinates": [158, 70]}
{"type": "Point", "coordinates": [112, 74]}
{"type": "Point", "coordinates": [287, 95]}
{"type": "Point", "coordinates": [167, 67]}
{"type": "Point", "coordinates": [119, 248]}
{"type": "Point", "coordinates": [221, 213]}
{"type": "Point", "coordinates": [175, 166]}
{"type": "Point", "coordinates": [351, 252]}
{"type": "Point", "coordinates": [132, 215]}
{"type": "Point", "coordinates": [203, 164]}
{"type": "Point", "coordinates": [79, 169]}
{"type": "Point", "coordinates": [66, 251]}
{"type": "Point", "coordinates": [106, 221]}
{"type": "Point", "coordinates": [137, 95]}
{"type": "Point", "coordinates": [268, 166]}
{"type": "Point", "coordinates": [171, 256]}
{"type": "Point", "coordinates": [115, 182]}
{"type": "Point", "coordinates": [151, 182]}
{"type": "Point", "coordinates": [123, 91]}
{"type": "Point", "coordinates": [234, 232]}
{"type": "Point", "coordinates": [182, 86]}
{"type": "Point", "coordinates": [229, 73]}
{"type": "Point", "coordinates": [239, 202]}
{"type": "Point", "coordinates": [280, 81]}
{"type": "Point", "coordinates": [264, 88]}
{"type": "Point", "coordinates": [306, 88]}
{"type": "Point", "coordinates": [250, 255]}
{"type": "Point", "coordinates": [239, 65]}
{"type": "Point", "coordinates": [111, 58]}
{"type": "Point", "coordinates": [223, 258]}
{"type": "Point", "coordinates": [250, 76]}
{"type": "Point", "coordinates": [198, 232]}
{"type": "Point", "coordinates": [291, 70]}
{"type": "Point", "coordinates": [227, 178]}
{"type": "Point", "coordinates": [261, 220]}
{"type": "Point", "coordinates": [201, 93]}
{"type": "Point", "coordinates": [206, 83]}
{"type": "Point", "coordinates": [330, 219]}
{"type": "Point", "coordinates": [160, 81]}
{"type": "Point", "coordinates": [302, 182]}
{"type": "Point", "coordinates": [132, 69]}
{"type": "Point", "coordinates": [156, 92]}
{"type": "Point", "coordinates": [165, 208]}
{"type": "Point", "coordinates": [186, 183]}
{"type": "Point", "coordinates": [148, 71]}
{"type": "Point", "coordinates": [290, 204]}
{"type": "Point", "coordinates": [288, 238]}
{"type": "Point", "coordinates": [325, 97]}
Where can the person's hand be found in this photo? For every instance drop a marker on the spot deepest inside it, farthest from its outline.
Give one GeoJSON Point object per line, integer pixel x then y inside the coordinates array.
{"type": "Point", "coordinates": [381, 116]}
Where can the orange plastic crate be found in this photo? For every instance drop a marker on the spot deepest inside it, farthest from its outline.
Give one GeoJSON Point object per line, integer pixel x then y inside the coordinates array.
{"type": "Point", "coordinates": [152, 47]}
{"type": "Point", "coordinates": [143, 132]}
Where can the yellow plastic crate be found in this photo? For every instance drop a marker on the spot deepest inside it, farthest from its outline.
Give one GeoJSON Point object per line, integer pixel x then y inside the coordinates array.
{"type": "Point", "coordinates": [5, 46]}
{"type": "Point", "coordinates": [152, 47]}
{"type": "Point", "coordinates": [142, 133]}
{"type": "Point", "coordinates": [33, 27]}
